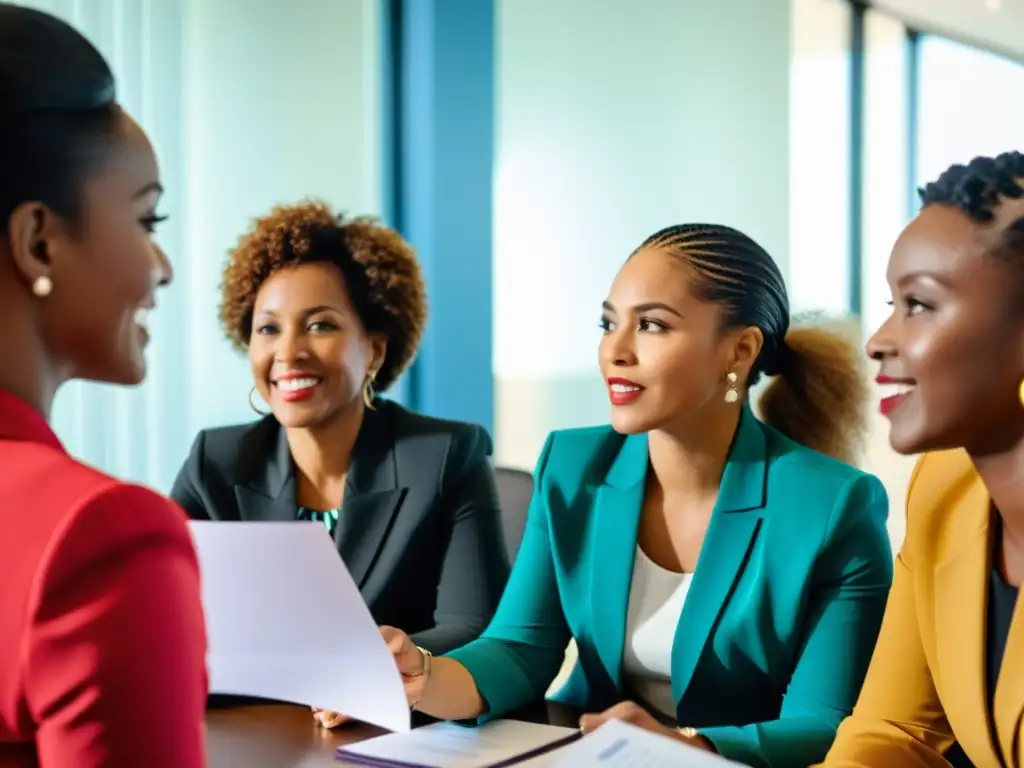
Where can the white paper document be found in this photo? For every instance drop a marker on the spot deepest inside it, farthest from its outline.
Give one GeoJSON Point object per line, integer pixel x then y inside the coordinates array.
{"type": "Point", "coordinates": [285, 620]}
{"type": "Point", "coordinates": [447, 745]}
{"type": "Point", "coordinates": [618, 745]}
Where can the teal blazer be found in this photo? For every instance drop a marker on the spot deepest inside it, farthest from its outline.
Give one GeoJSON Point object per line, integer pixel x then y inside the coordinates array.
{"type": "Point", "coordinates": [780, 619]}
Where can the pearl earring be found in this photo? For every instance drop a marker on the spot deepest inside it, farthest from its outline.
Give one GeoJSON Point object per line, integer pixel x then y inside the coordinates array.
{"type": "Point", "coordinates": [732, 394]}
{"type": "Point", "coordinates": [42, 286]}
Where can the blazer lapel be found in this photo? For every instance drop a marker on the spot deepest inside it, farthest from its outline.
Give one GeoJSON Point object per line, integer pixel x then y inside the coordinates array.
{"type": "Point", "coordinates": [267, 491]}
{"type": "Point", "coordinates": [961, 595]}
{"type": "Point", "coordinates": [617, 508]}
{"type": "Point", "coordinates": [1009, 697]}
{"type": "Point", "coordinates": [734, 522]}
{"type": "Point", "coordinates": [373, 496]}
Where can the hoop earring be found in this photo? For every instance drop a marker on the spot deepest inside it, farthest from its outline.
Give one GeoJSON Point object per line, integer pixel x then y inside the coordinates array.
{"type": "Point", "coordinates": [368, 390]}
{"type": "Point", "coordinates": [1020, 393]}
{"type": "Point", "coordinates": [252, 405]}
{"type": "Point", "coordinates": [732, 394]}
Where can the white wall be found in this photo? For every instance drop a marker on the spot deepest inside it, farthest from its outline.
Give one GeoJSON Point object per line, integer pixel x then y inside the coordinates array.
{"type": "Point", "coordinates": [615, 119]}
{"type": "Point", "coordinates": [281, 102]}
{"type": "Point", "coordinates": [819, 157]}
{"type": "Point", "coordinates": [249, 103]}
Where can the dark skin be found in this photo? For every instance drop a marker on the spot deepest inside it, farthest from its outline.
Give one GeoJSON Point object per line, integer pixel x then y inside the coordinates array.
{"type": "Point", "coordinates": [104, 269]}
{"type": "Point", "coordinates": [956, 338]}
{"type": "Point", "coordinates": [304, 322]}
{"type": "Point", "coordinates": [660, 336]}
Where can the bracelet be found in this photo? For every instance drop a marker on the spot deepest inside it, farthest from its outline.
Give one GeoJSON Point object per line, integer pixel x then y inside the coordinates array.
{"type": "Point", "coordinates": [427, 666]}
{"type": "Point", "coordinates": [694, 736]}
{"type": "Point", "coordinates": [428, 663]}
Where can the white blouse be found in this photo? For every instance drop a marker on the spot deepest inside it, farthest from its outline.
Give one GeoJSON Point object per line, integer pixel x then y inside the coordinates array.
{"type": "Point", "coordinates": [656, 598]}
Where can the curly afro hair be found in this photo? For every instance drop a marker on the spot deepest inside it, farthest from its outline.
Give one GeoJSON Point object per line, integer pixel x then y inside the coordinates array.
{"type": "Point", "coordinates": [381, 271]}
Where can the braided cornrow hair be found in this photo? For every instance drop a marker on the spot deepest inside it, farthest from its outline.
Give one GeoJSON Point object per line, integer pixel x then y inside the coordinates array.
{"type": "Point", "coordinates": [819, 393]}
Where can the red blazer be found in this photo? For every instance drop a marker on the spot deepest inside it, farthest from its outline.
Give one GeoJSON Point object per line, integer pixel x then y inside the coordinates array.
{"type": "Point", "coordinates": [102, 640]}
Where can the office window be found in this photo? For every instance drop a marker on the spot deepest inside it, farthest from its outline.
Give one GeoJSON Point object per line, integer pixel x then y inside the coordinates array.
{"type": "Point", "coordinates": [820, 173]}
{"type": "Point", "coordinates": [886, 169]}
{"type": "Point", "coordinates": [969, 104]}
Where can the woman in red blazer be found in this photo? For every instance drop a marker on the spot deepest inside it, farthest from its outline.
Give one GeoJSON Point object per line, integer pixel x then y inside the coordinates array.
{"type": "Point", "coordinates": [102, 644]}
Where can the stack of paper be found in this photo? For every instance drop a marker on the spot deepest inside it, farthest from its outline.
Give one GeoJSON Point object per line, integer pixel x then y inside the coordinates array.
{"type": "Point", "coordinates": [446, 745]}
{"type": "Point", "coordinates": [617, 745]}
{"type": "Point", "coordinates": [285, 621]}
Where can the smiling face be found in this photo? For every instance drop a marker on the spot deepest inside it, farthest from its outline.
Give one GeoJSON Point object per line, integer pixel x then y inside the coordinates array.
{"type": "Point", "coordinates": [104, 267]}
{"type": "Point", "coordinates": [663, 354]}
{"type": "Point", "coordinates": [953, 347]}
{"type": "Point", "coordinates": [309, 351]}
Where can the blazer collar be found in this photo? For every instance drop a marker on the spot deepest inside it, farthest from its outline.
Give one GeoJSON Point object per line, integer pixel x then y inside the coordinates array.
{"type": "Point", "coordinates": [617, 508]}
{"type": "Point", "coordinates": [19, 421]}
{"type": "Point", "coordinates": [744, 481]}
{"type": "Point", "coordinates": [269, 469]}
{"type": "Point", "coordinates": [373, 467]}
{"type": "Point", "coordinates": [961, 608]}
{"type": "Point", "coordinates": [961, 595]}
{"type": "Point", "coordinates": [268, 489]}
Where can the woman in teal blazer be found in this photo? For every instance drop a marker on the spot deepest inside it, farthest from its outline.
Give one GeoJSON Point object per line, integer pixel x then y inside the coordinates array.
{"type": "Point", "coordinates": [768, 562]}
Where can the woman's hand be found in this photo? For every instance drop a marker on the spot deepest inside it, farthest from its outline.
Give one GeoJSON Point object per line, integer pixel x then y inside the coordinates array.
{"type": "Point", "coordinates": [411, 663]}
{"type": "Point", "coordinates": [329, 719]}
{"type": "Point", "coordinates": [631, 713]}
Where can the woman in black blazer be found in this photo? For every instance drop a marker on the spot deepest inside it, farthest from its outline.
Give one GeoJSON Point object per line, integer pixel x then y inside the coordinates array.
{"type": "Point", "coordinates": [330, 312]}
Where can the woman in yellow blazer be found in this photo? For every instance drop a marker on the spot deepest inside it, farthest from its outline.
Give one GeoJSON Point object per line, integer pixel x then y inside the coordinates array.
{"type": "Point", "coordinates": [713, 568]}
{"type": "Point", "coordinates": [949, 665]}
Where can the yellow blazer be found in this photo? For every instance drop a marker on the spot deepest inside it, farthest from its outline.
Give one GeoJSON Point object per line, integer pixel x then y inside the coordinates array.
{"type": "Point", "coordinates": [926, 685]}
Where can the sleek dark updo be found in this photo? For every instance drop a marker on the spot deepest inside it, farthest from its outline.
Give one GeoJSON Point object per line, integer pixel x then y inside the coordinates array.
{"type": "Point", "coordinates": [58, 113]}
{"type": "Point", "coordinates": [818, 393]}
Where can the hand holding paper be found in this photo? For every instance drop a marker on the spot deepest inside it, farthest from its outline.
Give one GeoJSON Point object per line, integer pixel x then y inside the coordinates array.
{"type": "Point", "coordinates": [410, 661]}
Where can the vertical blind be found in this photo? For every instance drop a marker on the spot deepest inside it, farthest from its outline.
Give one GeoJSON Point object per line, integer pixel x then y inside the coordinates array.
{"type": "Point", "coordinates": [249, 103]}
{"type": "Point", "coordinates": [137, 433]}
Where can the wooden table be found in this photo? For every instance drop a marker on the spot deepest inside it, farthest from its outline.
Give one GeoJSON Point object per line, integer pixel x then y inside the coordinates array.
{"type": "Point", "coordinates": [275, 735]}
{"type": "Point", "coordinates": [264, 735]}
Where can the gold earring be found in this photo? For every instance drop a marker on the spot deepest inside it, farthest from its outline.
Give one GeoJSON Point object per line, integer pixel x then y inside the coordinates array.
{"type": "Point", "coordinates": [252, 405]}
{"type": "Point", "coordinates": [368, 390]}
{"type": "Point", "coordinates": [42, 286]}
{"type": "Point", "coordinates": [1020, 393]}
{"type": "Point", "coordinates": [732, 394]}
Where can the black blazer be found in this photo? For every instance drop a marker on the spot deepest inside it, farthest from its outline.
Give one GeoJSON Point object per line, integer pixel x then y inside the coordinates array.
{"type": "Point", "coordinates": [419, 529]}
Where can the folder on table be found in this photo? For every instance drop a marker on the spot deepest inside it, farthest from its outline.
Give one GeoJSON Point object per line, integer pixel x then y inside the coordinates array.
{"type": "Point", "coordinates": [496, 744]}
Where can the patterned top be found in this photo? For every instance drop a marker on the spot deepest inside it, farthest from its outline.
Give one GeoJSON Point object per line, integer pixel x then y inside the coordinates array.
{"type": "Point", "coordinates": [328, 518]}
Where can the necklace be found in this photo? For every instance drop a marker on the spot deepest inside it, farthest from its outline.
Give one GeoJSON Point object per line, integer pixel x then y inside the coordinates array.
{"type": "Point", "coordinates": [329, 519]}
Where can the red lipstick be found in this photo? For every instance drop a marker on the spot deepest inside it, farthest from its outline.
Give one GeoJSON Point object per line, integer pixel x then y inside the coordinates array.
{"type": "Point", "coordinates": [890, 403]}
{"type": "Point", "coordinates": [296, 386]}
{"type": "Point", "coordinates": [623, 391]}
